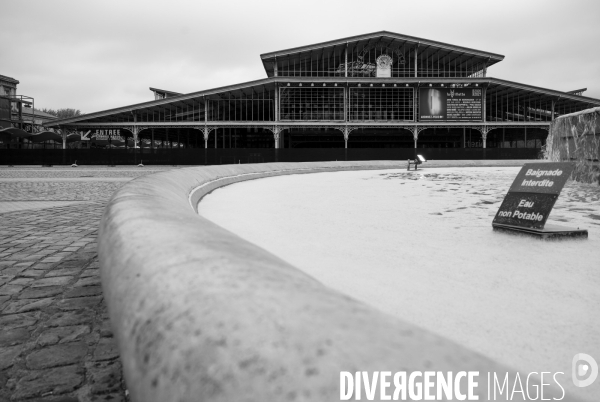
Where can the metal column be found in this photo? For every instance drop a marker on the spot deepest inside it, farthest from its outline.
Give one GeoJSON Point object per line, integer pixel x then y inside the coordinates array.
{"type": "Point", "coordinates": [276, 102]}
{"type": "Point", "coordinates": [346, 61]}
{"type": "Point", "coordinates": [416, 53]}
{"type": "Point", "coordinates": [483, 100]}
{"type": "Point", "coordinates": [346, 102]}
{"type": "Point", "coordinates": [415, 101]}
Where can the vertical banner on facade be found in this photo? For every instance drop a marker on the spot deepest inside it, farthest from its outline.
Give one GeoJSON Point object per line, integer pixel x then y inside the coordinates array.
{"type": "Point", "coordinates": [450, 104]}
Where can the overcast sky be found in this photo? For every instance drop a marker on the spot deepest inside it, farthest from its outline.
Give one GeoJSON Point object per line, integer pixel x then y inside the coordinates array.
{"type": "Point", "coordinates": [98, 55]}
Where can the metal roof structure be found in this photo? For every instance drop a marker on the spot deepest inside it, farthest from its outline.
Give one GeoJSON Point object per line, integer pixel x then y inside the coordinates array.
{"type": "Point", "coordinates": [177, 100]}
{"type": "Point", "coordinates": [383, 94]}
{"type": "Point", "coordinates": [164, 93]}
{"type": "Point", "coordinates": [577, 91]}
{"type": "Point", "coordinates": [467, 67]}
{"type": "Point", "coordinates": [426, 47]}
{"type": "Point", "coordinates": [495, 86]}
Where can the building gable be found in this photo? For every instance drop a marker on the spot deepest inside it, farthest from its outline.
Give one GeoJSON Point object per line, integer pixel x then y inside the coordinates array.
{"type": "Point", "coordinates": [379, 54]}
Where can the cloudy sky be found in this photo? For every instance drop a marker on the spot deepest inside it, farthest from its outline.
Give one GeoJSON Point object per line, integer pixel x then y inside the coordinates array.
{"type": "Point", "coordinates": [96, 55]}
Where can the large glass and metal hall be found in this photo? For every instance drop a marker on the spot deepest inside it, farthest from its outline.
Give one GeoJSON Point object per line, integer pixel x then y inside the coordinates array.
{"type": "Point", "coordinates": [381, 93]}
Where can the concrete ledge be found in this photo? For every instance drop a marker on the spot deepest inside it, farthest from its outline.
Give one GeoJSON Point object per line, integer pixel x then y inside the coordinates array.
{"type": "Point", "coordinates": [203, 315]}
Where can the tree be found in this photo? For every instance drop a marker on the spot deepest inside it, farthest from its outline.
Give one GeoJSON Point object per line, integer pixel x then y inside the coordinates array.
{"type": "Point", "coordinates": [62, 113]}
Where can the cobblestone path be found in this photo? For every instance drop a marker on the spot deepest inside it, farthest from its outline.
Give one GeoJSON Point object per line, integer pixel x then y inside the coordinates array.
{"type": "Point", "coordinates": [55, 339]}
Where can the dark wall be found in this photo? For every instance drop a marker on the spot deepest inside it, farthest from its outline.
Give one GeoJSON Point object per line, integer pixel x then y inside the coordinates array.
{"type": "Point", "coordinates": [197, 156]}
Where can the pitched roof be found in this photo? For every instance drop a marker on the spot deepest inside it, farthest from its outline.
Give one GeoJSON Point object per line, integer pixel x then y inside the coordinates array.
{"type": "Point", "coordinates": [513, 87]}
{"type": "Point", "coordinates": [393, 35]}
{"type": "Point", "coordinates": [269, 58]}
{"type": "Point", "coordinates": [159, 102]}
{"type": "Point", "coordinates": [163, 91]}
{"type": "Point", "coordinates": [38, 113]}
{"type": "Point", "coordinates": [8, 79]}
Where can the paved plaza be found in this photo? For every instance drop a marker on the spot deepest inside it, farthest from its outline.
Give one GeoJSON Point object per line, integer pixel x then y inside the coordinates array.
{"type": "Point", "coordinates": [55, 340]}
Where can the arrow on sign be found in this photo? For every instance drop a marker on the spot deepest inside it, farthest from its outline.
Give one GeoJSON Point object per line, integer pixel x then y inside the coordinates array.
{"type": "Point", "coordinates": [84, 137]}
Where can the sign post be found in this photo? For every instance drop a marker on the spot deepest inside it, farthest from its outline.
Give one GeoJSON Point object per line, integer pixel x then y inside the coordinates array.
{"type": "Point", "coordinates": [530, 199]}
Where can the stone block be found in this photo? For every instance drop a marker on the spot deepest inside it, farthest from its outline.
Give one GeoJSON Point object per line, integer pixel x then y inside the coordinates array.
{"type": "Point", "coordinates": [8, 355]}
{"type": "Point", "coordinates": [31, 273]}
{"type": "Point", "coordinates": [56, 355]}
{"type": "Point", "coordinates": [25, 305]}
{"type": "Point", "coordinates": [90, 281]}
{"type": "Point", "coordinates": [69, 318]}
{"type": "Point", "coordinates": [90, 272]}
{"type": "Point", "coordinates": [59, 281]}
{"type": "Point", "coordinates": [23, 264]}
{"type": "Point", "coordinates": [62, 335]}
{"type": "Point", "coordinates": [62, 272]}
{"type": "Point", "coordinates": [84, 291]}
{"type": "Point", "coordinates": [32, 257]}
{"type": "Point", "coordinates": [14, 270]}
{"type": "Point", "coordinates": [5, 278]}
{"type": "Point", "coordinates": [43, 266]}
{"type": "Point", "coordinates": [106, 350]}
{"type": "Point", "coordinates": [9, 290]}
{"type": "Point", "coordinates": [106, 329]}
{"type": "Point", "coordinates": [73, 264]}
{"type": "Point", "coordinates": [52, 259]}
{"type": "Point", "coordinates": [55, 381]}
{"type": "Point", "coordinates": [11, 337]}
{"type": "Point", "coordinates": [21, 281]}
{"type": "Point", "coordinates": [37, 293]}
{"type": "Point", "coordinates": [13, 321]}
{"type": "Point", "coordinates": [79, 303]}
{"type": "Point", "coordinates": [105, 377]}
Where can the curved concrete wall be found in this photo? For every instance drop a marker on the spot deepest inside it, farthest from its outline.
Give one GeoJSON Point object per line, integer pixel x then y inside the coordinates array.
{"type": "Point", "coordinates": [203, 315]}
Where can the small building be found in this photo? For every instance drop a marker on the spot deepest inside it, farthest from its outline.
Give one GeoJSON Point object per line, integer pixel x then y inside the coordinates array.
{"type": "Point", "coordinates": [18, 110]}
{"type": "Point", "coordinates": [10, 105]}
{"type": "Point", "coordinates": [22, 127]}
{"type": "Point", "coordinates": [8, 86]}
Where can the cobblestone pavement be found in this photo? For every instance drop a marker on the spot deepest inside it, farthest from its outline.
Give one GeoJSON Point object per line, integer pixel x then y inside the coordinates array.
{"type": "Point", "coordinates": [55, 339]}
{"type": "Point", "coordinates": [80, 172]}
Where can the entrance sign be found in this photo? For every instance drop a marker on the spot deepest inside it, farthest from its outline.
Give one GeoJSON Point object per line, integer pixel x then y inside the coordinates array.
{"type": "Point", "coordinates": [531, 197]}
{"type": "Point", "coordinates": [109, 135]}
{"type": "Point", "coordinates": [84, 137]}
{"type": "Point", "coordinates": [450, 104]}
